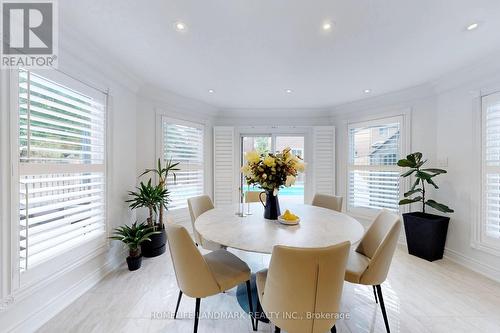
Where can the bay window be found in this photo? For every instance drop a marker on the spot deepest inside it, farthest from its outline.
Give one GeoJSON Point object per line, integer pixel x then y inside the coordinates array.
{"type": "Point", "coordinates": [61, 169]}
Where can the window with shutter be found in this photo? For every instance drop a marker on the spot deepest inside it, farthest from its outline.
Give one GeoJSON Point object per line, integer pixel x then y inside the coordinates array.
{"type": "Point", "coordinates": [183, 143]}
{"type": "Point", "coordinates": [490, 222]}
{"type": "Point", "coordinates": [61, 168]}
{"type": "Point", "coordinates": [373, 174]}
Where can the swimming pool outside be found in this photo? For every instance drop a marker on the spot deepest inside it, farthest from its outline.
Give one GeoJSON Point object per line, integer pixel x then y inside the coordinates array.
{"type": "Point", "coordinates": [296, 190]}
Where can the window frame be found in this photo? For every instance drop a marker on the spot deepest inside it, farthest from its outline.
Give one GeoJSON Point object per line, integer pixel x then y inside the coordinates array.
{"type": "Point", "coordinates": [24, 282]}
{"type": "Point", "coordinates": [178, 213]}
{"type": "Point", "coordinates": [403, 118]}
{"type": "Point", "coordinates": [481, 240]}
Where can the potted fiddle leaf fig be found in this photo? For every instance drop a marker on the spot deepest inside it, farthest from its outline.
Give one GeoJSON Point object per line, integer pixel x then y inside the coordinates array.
{"type": "Point", "coordinates": [425, 233]}
{"type": "Point", "coordinates": [133, 236]}
{"type": "Point", "coordinates": [154, 198]}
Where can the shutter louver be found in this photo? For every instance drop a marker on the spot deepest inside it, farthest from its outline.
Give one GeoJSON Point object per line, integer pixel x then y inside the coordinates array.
{"type": "Point", "coordinates": [224, 167]}
{"type": "Point", "coordinates": [184, 144]}
{"type": "Point", "coordinates": [323, 162]}
{"type": "Point", "coordinates": [59, 129]}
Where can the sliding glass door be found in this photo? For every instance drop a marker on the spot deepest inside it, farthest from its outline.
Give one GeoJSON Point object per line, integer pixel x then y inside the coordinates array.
{"type": "Point", "coordinates": [264, 143]}
{"type": "Point", "coordinates": [294, 194]}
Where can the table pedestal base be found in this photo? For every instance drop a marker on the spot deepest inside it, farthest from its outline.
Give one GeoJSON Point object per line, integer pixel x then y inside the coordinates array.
{"type": "Point", "coordinates": [241, 296]}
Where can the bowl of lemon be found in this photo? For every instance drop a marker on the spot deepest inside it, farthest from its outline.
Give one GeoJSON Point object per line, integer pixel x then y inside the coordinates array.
{"type": "Point", "coordinates": [288, 218]}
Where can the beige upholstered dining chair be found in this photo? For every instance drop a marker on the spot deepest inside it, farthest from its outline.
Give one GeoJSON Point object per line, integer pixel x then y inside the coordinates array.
{"type": "Point", "coordinates": [197, 206]}
{"type": "Point", "coordinates": [254, 196]}
{"type": "Point", "coordinates": [370, 262]}
{"type": "Point", "coordinates": [200, 276]}
{"type": "Point", "coordinates": [303, 281]}
{"type": "Point", "coordinates": [328, 201]}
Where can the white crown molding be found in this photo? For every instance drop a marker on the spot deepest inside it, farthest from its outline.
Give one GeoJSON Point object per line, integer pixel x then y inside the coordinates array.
{"type": "Point", "coordinates": [74, 49]}
{"type": "Point", "coordinates": [397, 100]}
{"type": "Point", "coordinates": [273, 116]}
{"type": "Point", "coordinates": [172, 102]}
{"type": "Point", "coordinates": [483, 74]}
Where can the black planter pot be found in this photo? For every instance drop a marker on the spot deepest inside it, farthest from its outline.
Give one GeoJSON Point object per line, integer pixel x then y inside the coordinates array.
{"type": "Point", "coordinates": [271, 207]}
{"type": "Point", "coordinates": [156, 247]}
{"type": "Point", "coordinates": [134, 263]}
{"type": "Point", "coordinates": [426, 234]}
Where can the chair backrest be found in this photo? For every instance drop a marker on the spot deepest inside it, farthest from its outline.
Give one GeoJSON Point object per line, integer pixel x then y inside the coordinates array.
{"type": "Point", "coordinates": [379, 244]}
{"type": "Point", "coordinates": [305, 280]}
{"type": "Point", "coordinates": [328, 201]}
{"type": "Point", "coordinates": [254, 196]}
{"type": "Point", "coordinates": [197, 206]}
{"type": "Point", "coordinates": [194, 277]}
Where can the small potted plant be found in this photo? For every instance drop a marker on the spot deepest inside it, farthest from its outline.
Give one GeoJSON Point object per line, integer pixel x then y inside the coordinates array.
{"type": "Point", "coordinates": [153, 198]}
{"type": "Point", "coordinates": [133, 236]}
{"type": "Point", "coordinates": [425, 233]}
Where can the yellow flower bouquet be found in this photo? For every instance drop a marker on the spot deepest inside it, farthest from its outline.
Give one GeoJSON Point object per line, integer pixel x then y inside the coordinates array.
{"type": "Point", "coordinates": [270, 172]}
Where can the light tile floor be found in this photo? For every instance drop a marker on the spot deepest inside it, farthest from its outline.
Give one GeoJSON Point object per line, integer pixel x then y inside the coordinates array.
{"type": "Point", "coordinates": [419, 296]}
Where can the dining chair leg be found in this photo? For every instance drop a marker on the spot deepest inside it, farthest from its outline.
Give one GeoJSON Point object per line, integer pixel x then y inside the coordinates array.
{"type": "Point", "coordinates": [258, 314]}
{"type": "Point", "coordinates": [375, 294]}
{"type": "Point", "coordinates": [382, 306]}
{"type": "Point", "coordinates": [250, 304]}
{"type": "Point", "coordinates": [334, 329]}
{"type": "Point", "coordinates": [178, 303]}
{"type": "Point", "coordinates": [196, 314]}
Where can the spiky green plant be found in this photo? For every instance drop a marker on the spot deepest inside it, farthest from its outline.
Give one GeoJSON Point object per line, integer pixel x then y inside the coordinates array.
{"type": "Point", "coordinates": [163, 172]}
{"type": "Point", "coordinates": [422, 176]}
{"type": "Point", "coordinates": [151, 197]}
{"type": "Point", "coordinates": [132, 236]}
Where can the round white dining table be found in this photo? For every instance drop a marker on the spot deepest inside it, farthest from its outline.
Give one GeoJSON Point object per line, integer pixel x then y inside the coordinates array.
{"type": "Point", "coordinates": [318, 227]}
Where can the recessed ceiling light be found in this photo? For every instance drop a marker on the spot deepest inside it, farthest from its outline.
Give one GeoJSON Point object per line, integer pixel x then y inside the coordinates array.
{"type": "Point", "coordinates": [180, 26]}
{"type": "Point", "coordinates": [472, 26]}
{"type": "Point", "coordinates": [288, 91]}
{"type": "Point", "coordinates": [211, 91]}
{"type": "Point", "coordinates": [327, 26]}
{"type": "Point", "coordinates": [367, 91]}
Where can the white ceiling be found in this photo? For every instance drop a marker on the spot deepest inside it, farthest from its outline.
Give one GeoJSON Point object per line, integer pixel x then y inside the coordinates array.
{"type": "Point", "coordinates": [251, 51]}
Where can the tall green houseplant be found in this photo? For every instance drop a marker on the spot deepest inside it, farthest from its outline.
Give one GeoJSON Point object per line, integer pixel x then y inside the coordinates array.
{"type": "Point", "coordinates": [162, 172]}
{"type": "Point", "coordinates": [422, 176]}
{"type": "Point", "coordinates": [151, 197]}
{"type": "Point", "coordinates": [425, 233]}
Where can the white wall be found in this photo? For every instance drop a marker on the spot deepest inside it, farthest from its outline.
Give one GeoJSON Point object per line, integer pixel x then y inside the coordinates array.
{"type": "Point", "coordinates": [25, 310]}
{"type": "Point", "coordinates": [445, 125]}
{"type": "Point", "coordinates": [151, 104]}
{"type": "Point", "coordinates": [272, 117]}
{"type": "Point", "coordinates": [458, 128]}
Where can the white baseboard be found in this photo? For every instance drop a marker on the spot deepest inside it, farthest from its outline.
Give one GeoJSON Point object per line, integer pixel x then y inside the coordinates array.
{"type": "Point", "coordinates": [31, 320]}
{"type": "Point", "coordinates": [473, 264]}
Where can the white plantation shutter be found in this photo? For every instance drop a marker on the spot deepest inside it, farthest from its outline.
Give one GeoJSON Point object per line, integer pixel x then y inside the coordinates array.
{"type": "Point", "coordinates": [61, 170]}
{"type": "Point", "coordinates": [183, 143]}
{"type": "Point", "coordinates": [224, 166]}
{"type": "Point", "coordinates": [490, 229]}
{"type": "Point", "coordinates": [323, 162]}
{"type": "Point", "coordinates": [373, 174]}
